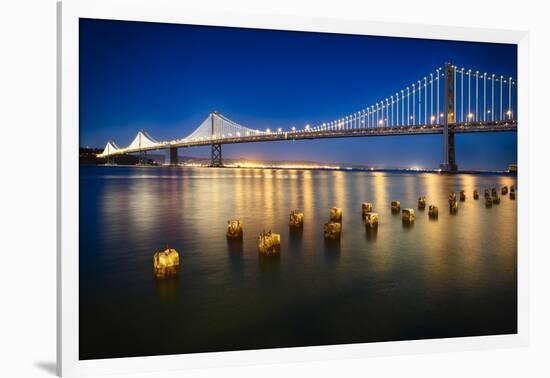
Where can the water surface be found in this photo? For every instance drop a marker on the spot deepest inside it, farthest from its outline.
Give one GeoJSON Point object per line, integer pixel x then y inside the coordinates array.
{"type": "Point", "coordinates": [456, 276]}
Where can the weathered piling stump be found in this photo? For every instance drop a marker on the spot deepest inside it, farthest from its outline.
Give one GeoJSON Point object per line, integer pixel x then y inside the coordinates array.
{"type": "Point", "coordinates": [336, 214]}
{"type": "Point", "coordinates": [433, 212]}
{"type": "Point", "coordinates": [332, 230]}
{"type": "Point", "coordinates": [408, 215]}
{"type": "Point", "coordinates": [269, 243]}
{"type": "Point", "coordinates": [453, 205]}
{"type": "Point", "coordinates": [366, 207]}
{"type": "Point", "coordinates": [452, 198]}
{"type": "Point", "coordinates": [488, 201]}
{"type": "Point", "coordinates": [487, 193]}
{"type": "Point", "coordinates": [496, 199]}
{"type": "Point", "coordinates": [512, 192]}
{"type": "Point", "coordinates": [165, 263]}
{"type": "Point", "coordinates": [476, 194]}
{"type": "Point", "coordinates": [371, 220]}
{"type": "Point", "coordinates": [296, 219]}
{"type": "Point", "coordinates": [395, 207]}
{"type": "Point", "coordinates": [421, 203]}
{"type": "Point", "coordinates": [234, 229]}
{"type": "Point", "coordinates": [462, 196]}
{"type": "Point", "coordinates": [504, 190]}
{"type": "Point", "coordinates": [493, 192]}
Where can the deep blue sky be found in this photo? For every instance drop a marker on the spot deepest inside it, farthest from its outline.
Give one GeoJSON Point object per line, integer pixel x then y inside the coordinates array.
{"type": "Point", "coordinates": [166, 79]}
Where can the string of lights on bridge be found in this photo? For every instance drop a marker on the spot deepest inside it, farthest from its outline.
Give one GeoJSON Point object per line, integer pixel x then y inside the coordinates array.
{"type": "Point", "coordinates": [479, 97]}
{"type": "Point", "coordinates": [420, 103]}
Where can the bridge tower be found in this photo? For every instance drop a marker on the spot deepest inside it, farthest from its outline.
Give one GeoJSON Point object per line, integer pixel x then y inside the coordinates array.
{"type": "Point", "coordinates": [171, 156]}
{"type": "Point", "coordinates": [216, 157]}
{"type": "Point", "coordinates": [449, 161]}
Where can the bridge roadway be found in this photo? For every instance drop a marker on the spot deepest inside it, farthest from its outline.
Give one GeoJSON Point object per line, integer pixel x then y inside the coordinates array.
{"type": "Point", "coordinates": [459, 128]}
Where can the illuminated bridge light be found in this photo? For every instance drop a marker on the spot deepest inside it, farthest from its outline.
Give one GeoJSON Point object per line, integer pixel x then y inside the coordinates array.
{"type": "Point", "coordinates": [412, 108]}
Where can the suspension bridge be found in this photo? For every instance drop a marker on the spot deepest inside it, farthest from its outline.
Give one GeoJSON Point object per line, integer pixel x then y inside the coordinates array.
{"type": "Point", "coordinates": [451, 100]}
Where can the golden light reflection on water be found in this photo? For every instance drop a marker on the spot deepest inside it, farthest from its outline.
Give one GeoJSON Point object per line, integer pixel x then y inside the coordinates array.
{"type": "Point", "coordinates": [203, 201]}
{"type": "Point", "coordinates": [466, 260]}
{"type": "Point", "coordinates": [308, 196]}
{"type": "Point", "coordinates": [379, 189]}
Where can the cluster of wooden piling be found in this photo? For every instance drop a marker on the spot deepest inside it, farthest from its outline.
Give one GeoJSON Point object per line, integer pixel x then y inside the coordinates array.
{"type": "Point", "coordinates": [166, 263]}
{"type": "Point", "coordinates": [370, 217]}
{"type": "Point", "coordinates": [492, 196]}
{"type": "Point", "coordinates": [269, 243]}
{"type": "Point", "coordinates": [333, 229]}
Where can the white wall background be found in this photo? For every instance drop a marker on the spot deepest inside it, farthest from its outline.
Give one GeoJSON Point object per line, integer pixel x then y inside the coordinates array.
{"type": "Point", "coordinates": [27, 185]}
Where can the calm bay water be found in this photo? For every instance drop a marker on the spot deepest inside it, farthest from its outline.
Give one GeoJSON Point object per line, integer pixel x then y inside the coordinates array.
{"type": "Point", "coordinates": [456, 276]}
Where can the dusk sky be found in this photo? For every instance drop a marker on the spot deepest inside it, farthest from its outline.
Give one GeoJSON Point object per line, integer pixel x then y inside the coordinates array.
{"type": "Point", "coordinates": [166, 79]}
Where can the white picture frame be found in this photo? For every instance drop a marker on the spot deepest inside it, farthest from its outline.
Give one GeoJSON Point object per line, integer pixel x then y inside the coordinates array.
{"type": "Point", "coordinates": [69, 13]}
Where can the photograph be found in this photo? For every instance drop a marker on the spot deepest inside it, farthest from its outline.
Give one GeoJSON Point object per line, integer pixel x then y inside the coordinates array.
{"type": "Point", "coordinates": [243, 188]}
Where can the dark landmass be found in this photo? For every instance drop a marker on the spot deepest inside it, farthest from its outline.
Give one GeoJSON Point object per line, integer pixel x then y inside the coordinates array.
{"type": "Point", "coordinates": [88, 156]}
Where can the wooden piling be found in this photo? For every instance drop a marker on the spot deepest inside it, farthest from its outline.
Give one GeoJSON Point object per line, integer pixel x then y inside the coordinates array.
{"type": "Point", "coordinates": [269, 243]}
{"type": "Point", "coordinates": [408, 215]}
{"type": "Point", "coordinates": [366, 207]}
{"type": "Point", "coordinates": [332, 230]}
{"type": "Point", "coordinates": [395, 207]}
{"type": "Point", "coordinates": [371, 220]}
{"type": "Point", "coordinates": [453, 205]}
{"type": "Point", "coordinates": [234, 229]}
{"type": "Point", "coordinates": [296, 219]}
{"type": "Point", "coordinates": [336, 214]}
{"type": "Point", "coordinates": [165, 263]}
{"type": "Point", "coordinates": [433, 212]}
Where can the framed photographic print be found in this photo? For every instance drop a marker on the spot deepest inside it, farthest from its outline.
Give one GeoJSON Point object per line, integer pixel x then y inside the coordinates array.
{"type": "Point", "coordinates": [240, 189]}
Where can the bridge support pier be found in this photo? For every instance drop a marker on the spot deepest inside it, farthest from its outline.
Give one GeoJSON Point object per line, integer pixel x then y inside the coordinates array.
{"type": "Point", "coordinates": [142, 159]}
{"type": "Point", "coordinates": [111, 160]}
{"type": "Point", "coordinates": [171, 156]}
{"type": "Point", "coordinates": [216, 158]}
{"type": "Point", "coordinates": [449, 161]}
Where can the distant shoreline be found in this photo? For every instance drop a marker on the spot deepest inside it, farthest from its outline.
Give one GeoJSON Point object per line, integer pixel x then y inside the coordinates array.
{"type": "Point", "coordinates": [342, 169]}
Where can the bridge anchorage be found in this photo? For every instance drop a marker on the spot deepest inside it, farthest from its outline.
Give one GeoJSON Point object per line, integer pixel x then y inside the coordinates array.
{"type": "Point", "coordinates": [447, 101]}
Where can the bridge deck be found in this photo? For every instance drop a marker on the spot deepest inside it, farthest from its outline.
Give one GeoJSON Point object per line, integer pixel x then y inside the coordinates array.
{"type": "Point", "coordinates": [459, 128]}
